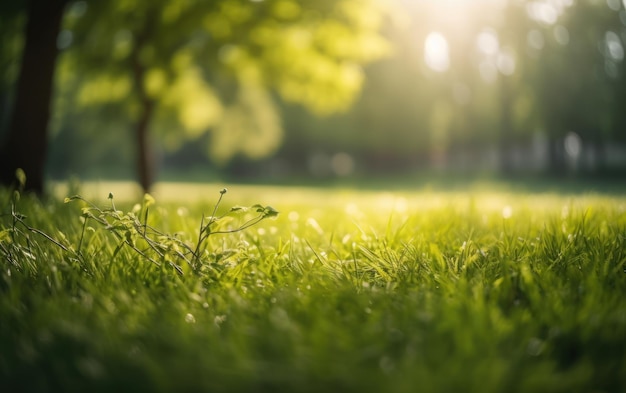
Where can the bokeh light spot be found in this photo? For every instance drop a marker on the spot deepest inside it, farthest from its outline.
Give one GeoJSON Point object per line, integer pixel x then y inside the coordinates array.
{"type": "Point", "coordinates": [436, 52]}
{"type": "Point", "coordinates": [506, 61]}
{"type": "Point", "coordinates": [614, 47]}
{"type": "Point", "coordinates": [64, 39]}
{"type": "Point", "coordinates": [487, 42]}
{"type": "Point", "coordinates": [544, 12]}
{"type": "Point", "coordinates": [535, 39]}
{"type": "Point", "coordinates": [293, 216]}
{"type": "Point", "coordinates": [573, 145]}
{"type": "Point", "coordinates": [613, 4]}
{"type": "Point", "coordinates": [561, 35]}
{"type": "Point", "coordinates": [611, 69]}
{"type": "Point", "coordinates": [342, 164]}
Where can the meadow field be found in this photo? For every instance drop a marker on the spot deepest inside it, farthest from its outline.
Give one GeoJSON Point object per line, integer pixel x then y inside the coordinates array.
{"type": "Point", "coordinates": [294, 289]}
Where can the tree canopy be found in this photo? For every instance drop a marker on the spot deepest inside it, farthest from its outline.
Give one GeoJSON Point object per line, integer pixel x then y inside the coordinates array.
{"type": "Point", "coordinates": [215, 67]}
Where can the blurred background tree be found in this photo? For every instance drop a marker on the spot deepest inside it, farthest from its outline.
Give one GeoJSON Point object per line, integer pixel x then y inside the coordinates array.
{"type": "Point", "coordinates": [182, 68]}
{"type": "Point", "coordinates": [285, 89]}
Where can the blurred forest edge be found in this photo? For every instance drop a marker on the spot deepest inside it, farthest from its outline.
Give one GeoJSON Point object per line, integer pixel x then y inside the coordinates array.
{"type": "Point", "coordinates": [281, 90]}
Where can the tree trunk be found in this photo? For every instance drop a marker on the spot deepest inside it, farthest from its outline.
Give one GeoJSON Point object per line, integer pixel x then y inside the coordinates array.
{"type": "Point", "coordinates": [599, 150]}
{"type": "Point", "coordinates": [145, 159]}
{"type": "Point", "coordinates": [27, 140]}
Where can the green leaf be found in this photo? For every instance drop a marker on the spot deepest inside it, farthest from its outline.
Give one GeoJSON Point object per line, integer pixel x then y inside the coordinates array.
{"type": "Point", "coordinates": [71, 198]}
{"type": "Point", "coordinates": [270, 212]}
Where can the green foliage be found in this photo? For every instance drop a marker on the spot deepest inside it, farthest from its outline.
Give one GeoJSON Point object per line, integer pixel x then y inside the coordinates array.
{"type": "Point", "coordinates": [345, 291]}
{"type": "Point", "coordinates": [213, 66]}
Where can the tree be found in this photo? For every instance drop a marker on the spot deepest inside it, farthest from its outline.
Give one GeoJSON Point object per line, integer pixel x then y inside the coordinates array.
{"type": "Point", "coordinates": [575, 84]}
{"type": "Point", "coordinates": [25, 145]}
{"type": "Point", "coordinates": [179, 69]}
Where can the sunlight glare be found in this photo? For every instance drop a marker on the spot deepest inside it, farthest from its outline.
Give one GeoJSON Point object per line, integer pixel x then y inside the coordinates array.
{"type": "Point", "coordinates": [436, 52]}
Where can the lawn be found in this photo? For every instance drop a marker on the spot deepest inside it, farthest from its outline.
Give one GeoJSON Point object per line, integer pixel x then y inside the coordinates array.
{"type": "Point", "coordinates": [480, 290]}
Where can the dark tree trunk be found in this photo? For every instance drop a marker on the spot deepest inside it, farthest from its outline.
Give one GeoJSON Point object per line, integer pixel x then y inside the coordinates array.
{"type": "Point", "coordinates": [27, 139]}
{"type": "Point", "coordinates": [145, 159]}
{"type": "Point", "coordinates": [599, 150]}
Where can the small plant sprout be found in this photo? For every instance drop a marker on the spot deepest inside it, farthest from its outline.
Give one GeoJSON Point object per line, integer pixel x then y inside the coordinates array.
{"type": "Point", "coordinates": [157, 246]}
{"type": "Point", "coordinates": [112, 203]}
{"type": "Point", "coordinates": [211, 228]}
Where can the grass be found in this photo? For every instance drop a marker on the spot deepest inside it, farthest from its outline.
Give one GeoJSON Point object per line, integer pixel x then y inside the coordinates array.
{"type": "Point", "coordinates": [343, 291]}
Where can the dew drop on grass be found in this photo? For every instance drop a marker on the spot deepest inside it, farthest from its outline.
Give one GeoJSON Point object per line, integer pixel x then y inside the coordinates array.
{"type": "Point", "coordinates": [189, 318]}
